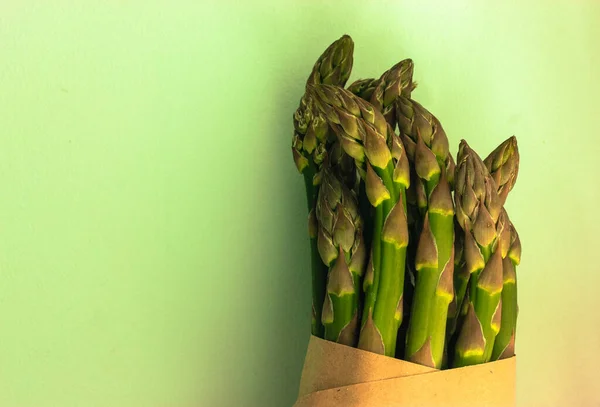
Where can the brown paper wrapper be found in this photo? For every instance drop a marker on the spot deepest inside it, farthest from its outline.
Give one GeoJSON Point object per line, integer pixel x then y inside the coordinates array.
{"type": "Point", "coordinates": [336, 375]}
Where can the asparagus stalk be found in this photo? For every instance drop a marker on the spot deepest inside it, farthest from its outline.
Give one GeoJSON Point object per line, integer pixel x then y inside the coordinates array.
{"type": "Point", "coordinates": [486, 243]}
{"type": "Point", "coordinates": [382, 94]}
{"type": "Point", "coordinates": [342, 248]}
{"type": "Point", "coordinates": [461, 280]}
{"type": "Point", "coordinates": [309, 150]}
{"type": "Point", "coordinates": [504, 345]}
{"type": "Point", "coordinates": [459, 274]}
{"type": "Point", "coordinates": [427, 147]}
{"type": "Point", "coordinates": [503, 165]}
{"type": "Point", "coordinates": [460, 285]}
{"type": "Point", "coordinates": [381, 160]}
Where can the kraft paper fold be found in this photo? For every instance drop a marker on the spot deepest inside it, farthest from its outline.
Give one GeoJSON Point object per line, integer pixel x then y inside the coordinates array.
{"type": "Point", "coordinates": [335, 375]}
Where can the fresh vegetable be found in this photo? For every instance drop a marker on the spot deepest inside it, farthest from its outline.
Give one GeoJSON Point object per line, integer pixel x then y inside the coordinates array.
{"type": "Point", "coordinates": [413, 253]}
{"type": "Point", "coordinates": [309, 148]}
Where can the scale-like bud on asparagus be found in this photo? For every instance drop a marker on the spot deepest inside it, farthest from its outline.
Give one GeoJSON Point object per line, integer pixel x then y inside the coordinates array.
{"type": "Point", "coordinates": [364, 88]}
{"type": "Point", "coordinates": [335, 64]}
{"type": "Point", "coordinates": [503, 165]}
{"type": "Point", "coordinates": [309, 150]}
{"type": "Point", "coordinates": [417, 123]}
{"type": "Point", "coordinates": [382, 162]}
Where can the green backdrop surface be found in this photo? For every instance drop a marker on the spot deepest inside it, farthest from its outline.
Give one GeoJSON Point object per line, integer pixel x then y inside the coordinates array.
{"type": "Point", "coordinates": [153, 247]}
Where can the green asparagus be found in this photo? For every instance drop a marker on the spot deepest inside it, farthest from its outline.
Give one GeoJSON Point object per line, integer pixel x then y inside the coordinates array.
{"type": "Point", "coordinates": [504, 345]}
{"type": "Point", "coordinates": [382, 94]}
{"type": "Point", "coordinates": [486, 242]}
{"type": "Point", "coordinates": [381, 160]}
{"type": "Point", "coordinates": [309, 148]}
{"type": "Point", "coordinates": [413, 253]}
{"type": "Point", "coordinates": [427, 147]}
{"type": "Point", "coordinates": [342, 248]}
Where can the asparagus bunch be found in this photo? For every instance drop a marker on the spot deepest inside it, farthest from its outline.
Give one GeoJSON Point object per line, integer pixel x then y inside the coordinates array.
{"type": "Point", "coordinates": [309, 149]}
{"type": "Point", "coordinates": [400, 266]}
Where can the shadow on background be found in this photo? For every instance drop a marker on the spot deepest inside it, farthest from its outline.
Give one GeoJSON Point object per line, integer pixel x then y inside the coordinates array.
{"type": "Point", "coordinates": [288, 309]}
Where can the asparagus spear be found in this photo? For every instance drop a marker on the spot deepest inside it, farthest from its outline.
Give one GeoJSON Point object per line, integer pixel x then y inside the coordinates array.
{"type": "Point", "coordinates": [503, 165]}
{"type": "Point", "coordinates": [427, 147]}
{"type": "Point", "coordinates": [504, 345]}
{"type": "Point", "coordinates": [382, 94]}
{"type": "Point", "coordinates": [381, 160]}
{"type": "Point", "coordinates": [486, 243]}
{"type": "Point", "coordinates": [309, 150]}
{"type": "Point", "coordinates": [342, 248]}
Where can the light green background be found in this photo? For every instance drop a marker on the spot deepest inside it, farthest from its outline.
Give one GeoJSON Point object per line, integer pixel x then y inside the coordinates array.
{"type": "Point", "coordinates": [153, 249]}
